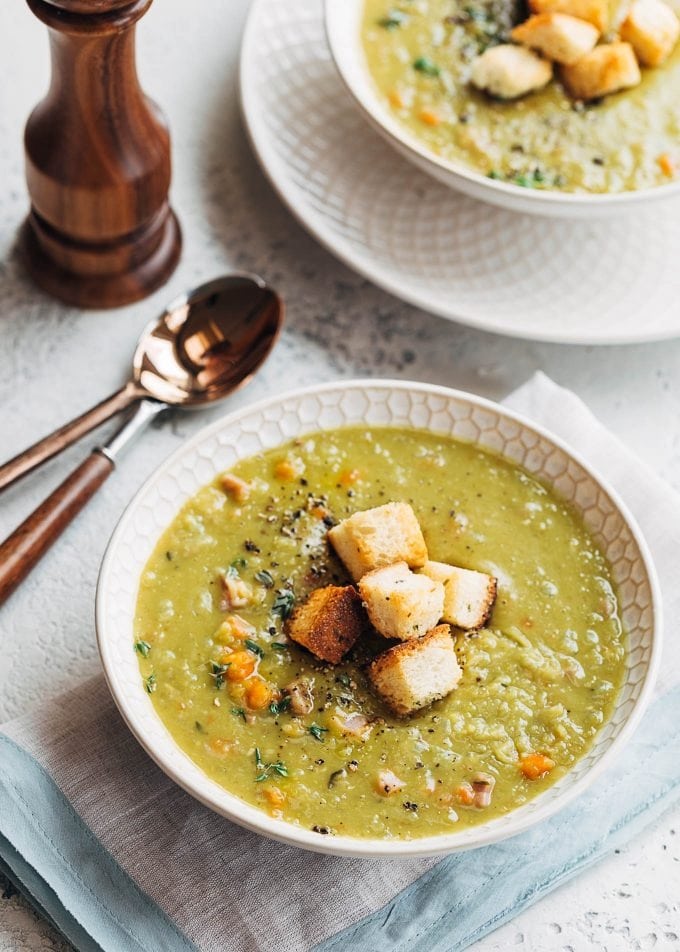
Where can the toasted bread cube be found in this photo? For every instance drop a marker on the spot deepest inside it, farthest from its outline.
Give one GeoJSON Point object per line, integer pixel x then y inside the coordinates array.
{"type": "Point", "coordinates": [593, 11]}
{"type": "Point", "coordinates": [558, 36]}
{"type": "Point", "coordinates": [329, 622]}
{"type": "Point", "coordinates": [652, 29]}
{"type": "Point", "coordinates": [381, 536]}
{"type": "Point", "coordinates": [401, 604]}
{"type": "Point", "coordinates": [468, 595]}
{"type": "Point", "coordinates": [508, 71]}
{"type": "Point", "coordinates": [413, 675]}
{"type": "Point", "coordinates": [606, 69]}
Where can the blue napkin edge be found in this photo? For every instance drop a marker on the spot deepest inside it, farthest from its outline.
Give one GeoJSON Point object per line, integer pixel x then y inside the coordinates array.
{"type": "Point", "coordinates": [63, 869]}
{"type": "Point", "coordinates": [41, 897]}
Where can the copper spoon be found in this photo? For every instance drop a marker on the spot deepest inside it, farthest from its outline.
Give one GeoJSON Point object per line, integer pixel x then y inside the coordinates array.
{"type": "Point", "coordinates": [205, 346]}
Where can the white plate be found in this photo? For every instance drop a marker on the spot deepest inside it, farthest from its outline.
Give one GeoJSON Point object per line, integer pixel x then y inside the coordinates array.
{"type": "Point", "coordinates": [580, 282]}
{"type": "Point", "coordinates": [343, 27]}
{"type": "Point", "coordinates": [451, 412]}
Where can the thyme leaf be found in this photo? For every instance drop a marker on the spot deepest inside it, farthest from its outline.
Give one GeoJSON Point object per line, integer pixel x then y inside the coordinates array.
{"type": "Point", "coordinates": [254, 647]}
{"type": "Point", "coordinates": [427, 66]}
{"type": "Point", "coordinates": [283, 603]}
{"type": "Point", "coordinates": [277, 707]}
{"type": "Point", "coordinates": [217, 671]}
{"type": "Point", "coordinates": [266, 578]}
{"type": "Point", "coordinates": [266, 769]}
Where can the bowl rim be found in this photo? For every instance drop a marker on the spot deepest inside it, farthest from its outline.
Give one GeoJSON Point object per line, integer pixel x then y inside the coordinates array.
{"type": "Point", "coordinates": [452, 173]}
{"type": "Point", "coordinates": [244, 814]}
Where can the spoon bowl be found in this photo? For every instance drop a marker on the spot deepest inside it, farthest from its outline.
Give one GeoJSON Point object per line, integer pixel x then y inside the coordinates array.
{"type": "Point", "coordinates": [206, 344]}
{"type": "Point", "coordinates": [209, 342]}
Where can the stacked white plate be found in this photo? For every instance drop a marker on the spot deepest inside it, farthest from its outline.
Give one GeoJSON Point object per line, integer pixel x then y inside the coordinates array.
{"type": "Point", "coordinates": [582, 282]}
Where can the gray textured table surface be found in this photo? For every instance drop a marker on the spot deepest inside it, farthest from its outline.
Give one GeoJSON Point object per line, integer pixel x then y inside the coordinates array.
{"type": "Point", "coordinates": [56, 361]}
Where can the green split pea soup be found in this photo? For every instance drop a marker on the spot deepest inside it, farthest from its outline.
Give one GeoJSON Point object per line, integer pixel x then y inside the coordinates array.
{"type": "Point", "coordinates": [538, 683]}
{"type": "Point", "coordinates": [420, 54]}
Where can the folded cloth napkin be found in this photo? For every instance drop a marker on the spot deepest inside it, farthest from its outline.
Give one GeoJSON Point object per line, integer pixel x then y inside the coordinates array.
{"type": "Point", "coordinates": [119, 858]}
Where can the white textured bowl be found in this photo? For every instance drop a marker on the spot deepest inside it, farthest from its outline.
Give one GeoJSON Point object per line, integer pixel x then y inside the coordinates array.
{"type": "Point", "coordinates": [450, 412]}
{"type": "Point", "coordinates": [343, 29]}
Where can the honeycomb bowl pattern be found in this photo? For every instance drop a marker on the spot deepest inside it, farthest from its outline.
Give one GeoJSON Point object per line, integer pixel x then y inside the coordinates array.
{"type": "Point", "coordinates": [438, 409]}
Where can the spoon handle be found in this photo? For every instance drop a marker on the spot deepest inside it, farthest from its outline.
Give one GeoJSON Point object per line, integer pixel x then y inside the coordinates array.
{"type": "Point", "coordinates": [50, 445]}
{"type": "Point", "coordinates": [27, 544]}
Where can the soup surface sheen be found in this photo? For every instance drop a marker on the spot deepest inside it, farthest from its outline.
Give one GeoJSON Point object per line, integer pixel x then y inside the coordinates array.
{"type": "Point", "coordinates": [543, 140]}
{"type": "Point", "coordinates": [542, 678]}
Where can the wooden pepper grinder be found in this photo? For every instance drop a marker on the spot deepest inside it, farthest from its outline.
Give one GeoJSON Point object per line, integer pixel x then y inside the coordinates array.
{"type": "Point", "coordinates": [100, 232]}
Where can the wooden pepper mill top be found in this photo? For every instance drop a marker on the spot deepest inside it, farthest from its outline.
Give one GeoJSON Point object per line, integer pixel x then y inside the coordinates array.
{"type": "Point", "coordinates": [100, 232]}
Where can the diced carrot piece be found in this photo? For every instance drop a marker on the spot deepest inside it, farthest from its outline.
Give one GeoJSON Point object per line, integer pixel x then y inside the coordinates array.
{"type": "Point", "coordinates": [288, 469]}
{"type": "Point", "coordinates": [349, 476]}
{"type": "Point", "coordinates": [258, 694]}
{"type": "Point", "coordinates": [429, 117]}
{"type": "Point", "coordinates": [241, 665]}
{"type": "Point", "coordinates": [275, 796]}
{"type": "Point", "coordinates": [396, 99]}
{"type": "Point", "coordinates": [465, 794]}
{"type": "Point", "coordinates": [233, 628]}
{"type": "Point", "coordinates": [667, 165]}
{"type": "Point", "coordinates": [220, 745]}
{"type": "Point", "coordinates": [235, 487]}
{"type": "Point", "coordinates": [534, 766]}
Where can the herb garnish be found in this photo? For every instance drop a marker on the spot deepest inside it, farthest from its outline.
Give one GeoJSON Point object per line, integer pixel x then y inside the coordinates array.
{"type": "Point", "coordinates": [283, 603]}
{"type": "Point", "coordinates": [254, 647]}
{"type": "Point", "coordinates": [199, 727]}
{"type": "Point", "coordinates": [317, 731]}
{"type": "Point", "coordinates": [239, 712]}
{"type": "Point", "coordinates": [425, 65]}
{"type": "Point", "coordinates": [233, 570]}
{"type": "Point", "coordinates": [266, 769]}
{"type": "Point", "coordinates": [266, 578]}
{"type": "Point", "coordinates": [531, 180]}
{"type": "Point", "coordinates": [279, 646]}
{"type": "Point", "coordinates": [217, 671]}
{"type": "Point", "coordinates": [150, 684]}
{"type": "Point", "coordinates": [393, 20]}
{"type": "Point", "coordinates": [276, 707]}
{"type": "Point", "coordinates": [143, 648]}
{"type": "Point", "coordinates": [344, 679]}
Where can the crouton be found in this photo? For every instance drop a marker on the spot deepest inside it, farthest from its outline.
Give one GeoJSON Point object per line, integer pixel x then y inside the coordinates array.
{"type": "Point", "coordinates": [328, 623]}
{"type": "Point", "coordinates": [558, 36]}
{"type": "Point", "coordinates": [381, 536]}
{"type": "Point", "coordinates": [508, 71]}
{"type": "Point", "coordinates": [606, 69]}
{"type": "Point", "coordinates": [652, 29]}
{"type": "Point", "coordinates": [468, 596]}
{"type": "Point", "coordinates": [594, 11]}
{"type": "Point", "coordinates": [401, 604]}
{"type": "Point", "coordinates": [413, 675]}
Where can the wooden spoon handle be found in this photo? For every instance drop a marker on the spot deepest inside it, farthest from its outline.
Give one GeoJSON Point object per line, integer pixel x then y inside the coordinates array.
{"type": "Point", "coordinates": [66, 435]}
{"type": "Point", "coordinates": [27, 544]}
